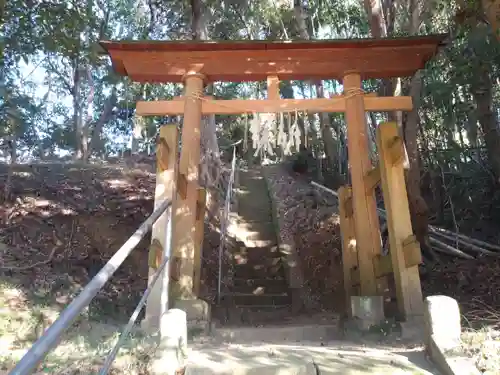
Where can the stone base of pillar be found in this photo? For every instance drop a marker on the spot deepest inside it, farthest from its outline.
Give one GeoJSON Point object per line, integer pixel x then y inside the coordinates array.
{"type": "Point", "coordinates": [367, 311]}
{"type": "Point", "coordinates": [196, 310]}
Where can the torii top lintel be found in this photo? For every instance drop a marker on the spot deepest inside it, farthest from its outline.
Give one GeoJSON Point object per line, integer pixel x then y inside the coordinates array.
{"type": "Point", "coordinates": [239, 61]}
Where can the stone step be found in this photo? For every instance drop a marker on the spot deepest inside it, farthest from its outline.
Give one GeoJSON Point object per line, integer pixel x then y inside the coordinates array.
{"type": "Point", "coordinates": [259, 271]}
{"type": "Point", "coordinates": [256, 217]}
{"type": "Point", "coordinates": [260, 286]}
{"type": "Point", "coordinates": [255, 213]}
{"type": "Point", "coordinates": [249, 224]}
{"type": "Point", "coordinates": [245, 207]}
{"type": "Point", "coordinates": [254, 187]}
{"type": "Point", "coordinates": [265, 234]}
{"type": "Point", "coordinates": [263, 300]}
{"type": "Point", "coordinates": [246, 178]}
{"type": "Point", "coordinates": [254, 226]}
{"type": "Point", "coordinates": [254, 200]}
{"type": "Point", "coordinates": [254, 254]}
{"type": "Point", "coordinates": [260, 243]}
{"type": "Point", "coordinates": [252, 314]}
{"type": "Point", "coordinates": [288, 334]}
{"type": "Point", "coordinates": [267, 260]}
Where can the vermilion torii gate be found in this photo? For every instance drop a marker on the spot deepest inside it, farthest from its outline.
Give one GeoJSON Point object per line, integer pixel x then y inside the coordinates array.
{"type": "Point", "coordinates": [195, 64]}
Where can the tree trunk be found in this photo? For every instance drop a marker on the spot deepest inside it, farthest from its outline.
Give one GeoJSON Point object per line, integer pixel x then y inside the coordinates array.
{"type": "Point", "coordinates": [210, 165]}
{"type": "Point", "coordinates": [381, 16]}
{"type": "Point", "coordinates": [99, 125]}
{"type": "Point", "coordinates": [77, 111]}
{"type": "Point", "coordinates": [418, 207]}
{"type": "Point", "coordinates": [482, 92]}
{"type": "Point", "coordinates": [330, 146]}
{"type": "Point", "coordinates": [492, 10]}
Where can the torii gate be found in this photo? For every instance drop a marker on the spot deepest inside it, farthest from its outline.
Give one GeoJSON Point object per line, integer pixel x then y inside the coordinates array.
{"type": "Point", "coordinates": [196, 63]}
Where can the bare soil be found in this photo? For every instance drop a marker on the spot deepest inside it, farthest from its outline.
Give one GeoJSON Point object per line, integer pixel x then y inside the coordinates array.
{"type": "Point", "coordinates": [64, 222]}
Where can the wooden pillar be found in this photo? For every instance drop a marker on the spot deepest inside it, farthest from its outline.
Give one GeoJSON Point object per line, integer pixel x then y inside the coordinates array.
{"type": "Point", "coordinates": [408, 287]}
{"type": "Point", "coordinates": [364, 205]}
{"type": "Point", "coordinates": [166, 164]}
{"type": "Point", "coordinates": [273, 88]}
{"type": "Point", "coordinates": [184, 208]}
{"type": "Point", "coordinates": [349, 254]}
{"type": "Point", "coordinates": [198, 244]}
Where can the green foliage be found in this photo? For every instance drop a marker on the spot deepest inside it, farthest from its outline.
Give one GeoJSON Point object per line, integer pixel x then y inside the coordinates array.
{"type": "Point", "coordinates": [59, 41]}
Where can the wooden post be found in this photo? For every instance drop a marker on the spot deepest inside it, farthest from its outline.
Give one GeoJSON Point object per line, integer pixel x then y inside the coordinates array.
{"type": "Point", "coordinates": [198, 244]}
{"type": "Point", "coordinates": [366, 221]}
{"type": "Point", "coordinates": [349, 254]}
{"type": "Point", "coordinates": [273, 88]}
{"type": "Point", "coordinates": [408, 288]}
{"type": "Point", "coordinates": [184, 207]}
{"type": "Point", "coordinates": [166, 157]}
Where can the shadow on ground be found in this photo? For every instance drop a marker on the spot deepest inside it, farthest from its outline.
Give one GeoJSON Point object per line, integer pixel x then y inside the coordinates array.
{"type": "Point", "coordinates": [331, 358]}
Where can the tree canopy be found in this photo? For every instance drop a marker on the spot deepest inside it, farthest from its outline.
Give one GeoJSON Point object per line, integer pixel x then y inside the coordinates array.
{"type": "Point", "coordinates": [61, 96]}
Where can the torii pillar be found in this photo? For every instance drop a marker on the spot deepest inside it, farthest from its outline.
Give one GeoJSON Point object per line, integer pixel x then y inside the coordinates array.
{"type": "Point", "coordinates": [185, 207]}
{"type": "Point", "coordinates": [366, 222]}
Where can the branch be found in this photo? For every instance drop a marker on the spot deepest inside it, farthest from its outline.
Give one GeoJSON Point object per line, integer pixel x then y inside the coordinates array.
{"type": "Point", "coordinates": [57, 72]}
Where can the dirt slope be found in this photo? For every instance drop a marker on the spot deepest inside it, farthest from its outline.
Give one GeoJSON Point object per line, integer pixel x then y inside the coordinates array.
{"type": "Point", "coordinates": [311, 219]}
{"type": "Point", "coordinates": [66, 220]}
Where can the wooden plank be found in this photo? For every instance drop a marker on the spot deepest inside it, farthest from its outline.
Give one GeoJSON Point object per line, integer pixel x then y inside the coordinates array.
{"type": "Point", "coordinates": [388, 103]}
{"type": "Point", "coordinates": [372, 179]}
{"type": "Point", "coordinates": [166, 165]}
{"type": "Point", "coordinates": [349, 254]}
{"type": "Point", "coordinates": [184, 208]}
{"type": "Point", "coordinates": [248, 46]}
{"type": "Point", "coordinates": [407, 280]}
{"type": "Point", "coordinates": [198, 233]}
{"type": "Point", "coordinates": [239, 106]}
{"type": "Point", "coordinates": [289, 61]}
{"type": "Point", "coordinates": [366, 222]}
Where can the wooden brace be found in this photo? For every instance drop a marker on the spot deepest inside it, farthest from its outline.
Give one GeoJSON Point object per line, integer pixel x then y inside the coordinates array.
{"type": "Point", "coordinates": [200, 204]}
{"type": "Point", "coordinates": [397, 150]}
{"type": "Point", "coordinates": [155, 254]}
{"type": "Point", "coordinates": [372, 179]}
{"type": "Point", "coordinates": [163, 154]}
{"type": "Point", "coordinates": [182, 184]}
{"type": "Point", "coordinates": [383, 265]}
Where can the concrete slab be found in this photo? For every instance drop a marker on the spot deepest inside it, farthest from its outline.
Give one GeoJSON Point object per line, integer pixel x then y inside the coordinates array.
{"type": "Point", "coordinates": [332, 358]}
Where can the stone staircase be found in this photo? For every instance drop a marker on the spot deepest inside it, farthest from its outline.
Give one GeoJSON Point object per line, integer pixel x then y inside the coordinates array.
{"type": "Point", "coordinates": [257, 332]}
{"type": "Point", "coordinates": [259, 292]}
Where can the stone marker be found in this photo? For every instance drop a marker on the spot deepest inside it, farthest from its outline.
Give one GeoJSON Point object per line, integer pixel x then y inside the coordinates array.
{"type": "Point", "coordinates": [171, 354]}
{"type": "Point", "coordinates": [442, 336]}
{"type": "Point", "coordinates": [442, 322]}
